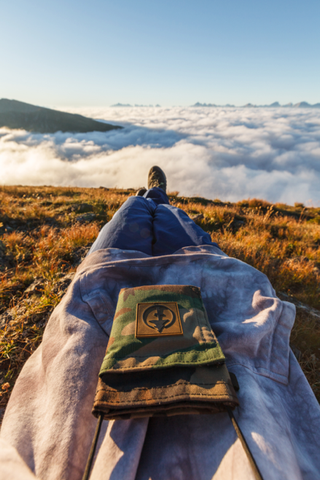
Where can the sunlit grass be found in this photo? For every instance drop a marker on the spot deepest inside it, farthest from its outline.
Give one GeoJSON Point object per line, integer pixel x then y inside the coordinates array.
{"type": "Point", "coordinates": [42, 236]}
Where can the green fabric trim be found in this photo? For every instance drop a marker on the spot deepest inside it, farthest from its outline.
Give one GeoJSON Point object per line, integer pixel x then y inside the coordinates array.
{"type": "Point", "coordinates": [202, 354]}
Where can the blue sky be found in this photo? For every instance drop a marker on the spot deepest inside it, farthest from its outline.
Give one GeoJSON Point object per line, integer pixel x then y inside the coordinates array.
{"type": "Point", "coordinates": [177, 52]}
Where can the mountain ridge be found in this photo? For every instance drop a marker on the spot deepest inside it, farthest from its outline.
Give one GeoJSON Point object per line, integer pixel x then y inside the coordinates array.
{"type": "Point", "coordinates": [136, 105]}
{"type": "Point", "coordinates": [20, 115]}
{"type": "Point", "coordinates": [272, 105]}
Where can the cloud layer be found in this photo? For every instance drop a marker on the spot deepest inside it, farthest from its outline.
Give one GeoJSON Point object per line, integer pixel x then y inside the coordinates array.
{"type": "Point", "coordinates": [226, 153]}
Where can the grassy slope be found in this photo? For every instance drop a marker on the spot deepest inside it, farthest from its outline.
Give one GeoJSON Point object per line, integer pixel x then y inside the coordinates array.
{"type": "Point", "coordinates": [46, 231]}
{"type": "Point", "coordinates": [21, 115]}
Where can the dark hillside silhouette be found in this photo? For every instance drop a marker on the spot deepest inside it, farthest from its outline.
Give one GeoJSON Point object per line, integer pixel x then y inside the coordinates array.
{"type": "Point", "coordinates": [14, 114]}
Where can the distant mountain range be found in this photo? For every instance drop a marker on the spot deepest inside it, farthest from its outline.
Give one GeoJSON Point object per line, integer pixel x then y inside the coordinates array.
{"type": "Point", "coordinates": [272, 105]}
{"type": "Point", "coordinates": [14, 114]}
{"type": "Point", "coordinates": [128, 105]}
{"type": "Point", "coordinates": [248, 105]}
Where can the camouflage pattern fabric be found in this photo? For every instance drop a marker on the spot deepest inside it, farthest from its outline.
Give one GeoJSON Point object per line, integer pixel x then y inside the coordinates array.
{"type": "Point", "coordinates": [162, 357]}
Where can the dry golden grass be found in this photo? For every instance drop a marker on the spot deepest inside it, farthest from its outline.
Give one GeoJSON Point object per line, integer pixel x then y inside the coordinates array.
{"type": "Point", "coordinates": [305, 336]}
{"type": "Point", "coordinates": [46, 231]}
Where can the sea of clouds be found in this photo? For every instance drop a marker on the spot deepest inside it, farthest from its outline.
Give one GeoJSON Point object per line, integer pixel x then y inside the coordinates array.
{"type": "Point", "coordinates": [226, 153]}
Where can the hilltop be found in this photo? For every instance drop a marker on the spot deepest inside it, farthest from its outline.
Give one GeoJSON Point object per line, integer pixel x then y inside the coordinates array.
{"type": "Point", "coordinates": [45, 232]}
{"type": "Point", "coordinates": [14, 114]}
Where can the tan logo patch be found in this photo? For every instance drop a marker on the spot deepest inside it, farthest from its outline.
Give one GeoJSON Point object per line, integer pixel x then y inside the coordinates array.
{"type": "Point", "coordinates": [158, 319]}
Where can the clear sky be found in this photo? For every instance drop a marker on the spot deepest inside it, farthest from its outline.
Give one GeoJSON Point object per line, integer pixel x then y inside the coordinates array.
{"type": "Point", "coordinates": [171, 52]}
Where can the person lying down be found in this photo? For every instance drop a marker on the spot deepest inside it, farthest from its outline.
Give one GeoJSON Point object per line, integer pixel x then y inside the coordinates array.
{"type": "Point", "coordinates": [160, 339]}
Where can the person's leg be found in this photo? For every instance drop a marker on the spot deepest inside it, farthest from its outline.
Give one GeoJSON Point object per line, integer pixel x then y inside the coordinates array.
{"type": "Point", "coordinates": [157, 195]}
{"type": "Point", "coordinates": [150, 224]}
{"type": "Point", "coordinates": [130, 228]}
{"type": "Point", "coordinates": [173, 229]}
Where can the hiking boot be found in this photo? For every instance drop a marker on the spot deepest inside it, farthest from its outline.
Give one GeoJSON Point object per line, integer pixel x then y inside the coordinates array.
{"type": "Point", "coordinates": [141, 192]}
{"type": "Point", "coordinates": [157, 178]}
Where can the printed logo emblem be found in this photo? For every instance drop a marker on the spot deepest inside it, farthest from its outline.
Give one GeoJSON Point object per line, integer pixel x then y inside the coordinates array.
{"type": "Point", "coordinates": [158, 319]}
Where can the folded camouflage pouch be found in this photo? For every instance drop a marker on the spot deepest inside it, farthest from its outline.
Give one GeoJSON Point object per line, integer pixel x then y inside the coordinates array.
{"type": "Point", "coordinates": [162, 357]}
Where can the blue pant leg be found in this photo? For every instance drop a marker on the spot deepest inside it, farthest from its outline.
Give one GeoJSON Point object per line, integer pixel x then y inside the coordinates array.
{"type": "Point", "coordinates": [152, 226]}
{"type": "Point", "coordinates": [131, 227]}
{"type": "Point", "coordinates": [173, 229]}
{"type": "Point", "coordinates": [157, 195]}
